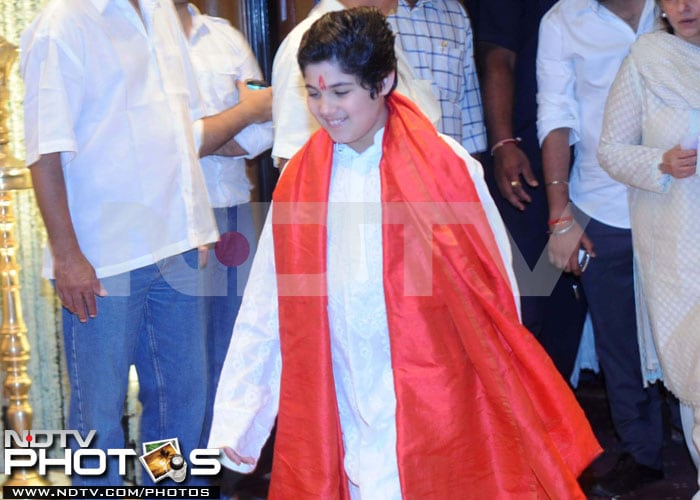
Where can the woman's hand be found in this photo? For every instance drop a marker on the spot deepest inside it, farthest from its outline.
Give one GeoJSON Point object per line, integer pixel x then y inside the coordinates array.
{"type": "Point", "coordinates": [679, 163]}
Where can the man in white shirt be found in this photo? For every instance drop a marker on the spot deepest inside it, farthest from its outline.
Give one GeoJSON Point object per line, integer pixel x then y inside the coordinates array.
{"type": "Point", "coordinates": [221, 56]}
{"type": "Point", "coordinates": [109, 106]}
{"type": "Point", "coordinates": [581, 46]}
{"type": "Point", "coordinates": [292, 121]}
{"type": "Point", "coordinates": [436, 36]}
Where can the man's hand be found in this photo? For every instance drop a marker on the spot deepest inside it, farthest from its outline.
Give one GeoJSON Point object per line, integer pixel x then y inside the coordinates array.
{"type": "Point", "coordinates": [258, 102]}
{"type": "Point", "coordinates": [498, 89]}
{"type": "Point", "coordinates": [76, 281]}
{"type": "Point", "coordinates": [509, 164]}
{"type": "Point", "coordinates": [563, 248]}
{"type": "Point", "coordinates": [203, 256]}
{"type": "Point", "coordinates": [77, 285]}
{"type": "Point", "coordinates": [679, 163]}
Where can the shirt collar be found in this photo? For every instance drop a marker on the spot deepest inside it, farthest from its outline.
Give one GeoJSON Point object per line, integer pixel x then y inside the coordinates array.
{"type": "Point", "coordinates": [580, 7]}
{"type": "Point", "coordinates": [198, 26]}
{"type": "Point", "coordinates": [595, 6]}
{"type": "Point", "coordinates": [348, 157]}
{"type": "Point", "coordinates": [100, 5]}
{"type": "Point", "coordinates": [419, 3]}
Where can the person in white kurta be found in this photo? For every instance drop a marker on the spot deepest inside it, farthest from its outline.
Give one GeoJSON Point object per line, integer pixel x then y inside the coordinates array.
{"type": "Point", "coordinates": [384, 388]}
{"type": "Point", "coordinates": [248, 394]}
{"type": "Point", "coordinates": [652, 122]}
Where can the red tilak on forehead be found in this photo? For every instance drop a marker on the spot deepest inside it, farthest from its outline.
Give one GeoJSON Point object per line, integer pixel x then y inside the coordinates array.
{"type": "Point", "coordinates": [321, 83]}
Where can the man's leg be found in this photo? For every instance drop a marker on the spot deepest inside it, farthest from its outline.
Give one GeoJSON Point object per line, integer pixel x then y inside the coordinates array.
{"type": "Point", "coordinates": [609, 285]}
{"type": "Point", "coordinates": [98, 356]}
{"type": "Point", "coordinates": [171, 355]}
{"type": "Point", "coordinates": [635, 411]}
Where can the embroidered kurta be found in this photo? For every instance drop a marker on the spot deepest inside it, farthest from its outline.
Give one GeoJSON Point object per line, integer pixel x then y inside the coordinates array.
{"type": "Point", "coordinates": [359, 340]}
{"type": "Point", "coordinates": [651, 109]}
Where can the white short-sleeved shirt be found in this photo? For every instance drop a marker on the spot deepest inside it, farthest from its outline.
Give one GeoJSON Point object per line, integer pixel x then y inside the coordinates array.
{"type": "Point", "coordinates": [115, 95]}
{"type": "Point", "coordinates": [581, 47]}
{"type": "Point", "coordinates": [292, 121]}
{"type": "Point", "coordinates": [220, 56]}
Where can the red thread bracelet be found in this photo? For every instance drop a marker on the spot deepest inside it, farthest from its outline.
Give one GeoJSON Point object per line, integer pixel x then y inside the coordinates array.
{"type": "Point", "coordinates": [554, 222]}
{"type": "Point", "coordinates": [503, 142]}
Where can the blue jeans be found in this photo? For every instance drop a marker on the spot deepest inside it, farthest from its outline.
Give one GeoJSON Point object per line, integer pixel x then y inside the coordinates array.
{"type": "Point", "coordinates": [224, 290]}
{"type": "Point", "coordinates": [153, 319]}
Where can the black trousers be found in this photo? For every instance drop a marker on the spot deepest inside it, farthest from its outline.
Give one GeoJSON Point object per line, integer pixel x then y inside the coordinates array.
{"type": "Point", "coordinates": [609, 285]}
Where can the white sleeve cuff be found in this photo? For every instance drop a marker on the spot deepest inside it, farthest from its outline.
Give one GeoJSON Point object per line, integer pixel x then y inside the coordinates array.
{"type": "Point", "coordinates": [198, 131]}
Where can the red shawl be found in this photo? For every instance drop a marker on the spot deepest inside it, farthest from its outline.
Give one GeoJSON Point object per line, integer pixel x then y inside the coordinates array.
{"type": "Point", "coordinates": [481, 410]}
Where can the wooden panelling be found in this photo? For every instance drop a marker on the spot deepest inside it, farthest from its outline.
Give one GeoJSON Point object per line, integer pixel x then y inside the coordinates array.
{"type": "Point", "coordinates": [285, 14]}
{"type": "Point", "coordinates": [289, 13]}
{"type": "Point", "coordinates": [228, 9]}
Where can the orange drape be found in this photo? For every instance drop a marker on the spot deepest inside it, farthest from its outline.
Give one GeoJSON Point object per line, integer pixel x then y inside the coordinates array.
{"type": "Point", "coordinates": [481, 410]}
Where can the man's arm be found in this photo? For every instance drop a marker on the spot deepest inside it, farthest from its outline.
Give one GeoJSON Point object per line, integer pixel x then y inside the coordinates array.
{"type": "Point", "coordinates": [254, 106]}
{"type": "Point", "coordinates": [566, 235]}
{"type": "Point", "coordinates": [76, 281]}
{"type": "Point", "coordinates": [498, 87]}
{"type": "Point", "coordinates": [558, 126]}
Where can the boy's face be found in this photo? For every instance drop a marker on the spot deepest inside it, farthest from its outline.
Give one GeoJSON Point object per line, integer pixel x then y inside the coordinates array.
{"type": "Point", "coordinates": [342, 107]}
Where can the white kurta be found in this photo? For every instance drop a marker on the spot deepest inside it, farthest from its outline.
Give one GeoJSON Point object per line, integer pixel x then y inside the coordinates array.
{"type": "Point", "coordinates": [650, 110]}
{"type": "Point", "coordinates": [360, 348]}
{"type": "Point", "coordinates": [248, 393]}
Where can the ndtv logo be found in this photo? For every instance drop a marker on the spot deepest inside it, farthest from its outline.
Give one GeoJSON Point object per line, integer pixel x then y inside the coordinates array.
{"type": "Point", "coordinates": [29, 449]}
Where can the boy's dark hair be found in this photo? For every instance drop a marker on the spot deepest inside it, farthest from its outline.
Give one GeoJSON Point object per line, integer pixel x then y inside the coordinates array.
{"type": "Point", "coordinates": [359, 40]}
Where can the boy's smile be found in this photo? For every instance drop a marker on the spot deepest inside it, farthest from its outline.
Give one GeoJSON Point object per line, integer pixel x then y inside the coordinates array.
{"type": "Point", "coordinates": [343, 107]}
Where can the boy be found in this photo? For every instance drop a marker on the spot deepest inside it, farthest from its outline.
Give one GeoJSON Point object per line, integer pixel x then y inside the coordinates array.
{"type": "Point", "coordinates": [393, 357]}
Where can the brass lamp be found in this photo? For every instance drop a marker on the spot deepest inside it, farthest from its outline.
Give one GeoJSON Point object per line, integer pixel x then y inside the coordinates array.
{"type": "Point", "coordinates": [14, 347]}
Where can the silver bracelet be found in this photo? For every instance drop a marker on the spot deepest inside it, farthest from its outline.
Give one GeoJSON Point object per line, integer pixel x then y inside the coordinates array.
{"type": "Point", "coordinates": [564, 230]}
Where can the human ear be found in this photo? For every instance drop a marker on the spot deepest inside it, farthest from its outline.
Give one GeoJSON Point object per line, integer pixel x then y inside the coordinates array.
{"type": "Point", "coordinates": [388, 83]}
